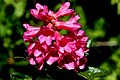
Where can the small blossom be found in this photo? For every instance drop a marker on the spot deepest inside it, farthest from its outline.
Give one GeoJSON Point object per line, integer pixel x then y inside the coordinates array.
{"type": "Point", "coordinates": [52, 55]}
{"type": "Point", "coordinates": [36, 54]}
{"type": "Point", "coordinates": [40, 11]}
{"type": "Point", "coordinates": [46, 35]}
{"type": "Point", "coordinates": [31, 32]}
{"type": "Point", "coordinates": [63, 11]}
{"type": "Point", "coordinates": [70, 25]}
{"type": "Point", "coordinates": [67, 62]}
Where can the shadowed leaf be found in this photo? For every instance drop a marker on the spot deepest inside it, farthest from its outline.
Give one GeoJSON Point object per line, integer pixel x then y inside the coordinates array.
{"type": "Point", "coordinates": [20, 76]}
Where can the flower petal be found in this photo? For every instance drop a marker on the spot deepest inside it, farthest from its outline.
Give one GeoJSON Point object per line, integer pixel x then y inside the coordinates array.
{"type": "Point", "coordinates": [63, 11]}
{"type": "Point", "coordinates": [70, 66]}
{"type": "Point", "coordinates": [70, 25]}
{"type": "Point", "coordinates": [32, 61]}
{"type": "Point", "coordinates": [30, 33]}
{"type": "Point", "coordinates": [80, 53]}
{"type": "Point", "coordinates": [37, 53]}
{"type": "Point", "coordinates": [40, 62]}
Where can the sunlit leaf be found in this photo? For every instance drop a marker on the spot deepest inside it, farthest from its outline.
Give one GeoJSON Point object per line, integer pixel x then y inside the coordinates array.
{"type": "Point", "coordinates": [93, 73]}
{"type": "Point", "coordinates": [57, 7]}
{"type": "Point", "coordinates": [19, 8]}
{"type": "Point", "coordinates": [118, 8]}
{"type": "Point", "coordinates": [114, 1]}
{"type": "Point", "coordinates": [80, 11]}
{"type": "Point", "coordinates": [21, 61]}
{"type": "Point", "coordinates": [118, 5]}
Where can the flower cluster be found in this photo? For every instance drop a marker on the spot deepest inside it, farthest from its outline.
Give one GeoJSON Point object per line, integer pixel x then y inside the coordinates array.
{"type": "Point", "coordinates": [47, 44]}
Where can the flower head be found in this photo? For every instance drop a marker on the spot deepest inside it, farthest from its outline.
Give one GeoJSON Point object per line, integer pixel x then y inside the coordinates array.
{"type": "Point", "coordinates": [47, 44]}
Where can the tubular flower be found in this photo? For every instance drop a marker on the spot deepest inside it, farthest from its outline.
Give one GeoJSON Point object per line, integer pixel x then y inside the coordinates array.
{"type": "Point", "coordinates": [70, 25]}
{"type": "Point", "coordinates": [63, 11]}
{"type": "Point", "coordinates": [31, 32]}
{"type": "Point", "coordinates": [47, 44]}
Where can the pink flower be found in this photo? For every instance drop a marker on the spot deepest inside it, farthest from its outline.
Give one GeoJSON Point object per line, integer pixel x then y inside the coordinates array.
{"type": "Point", "coordinates": [31, 32]}
{"type": "Point", "coordinates": [63, 11]}
{"type": "Point", "coordinates": [72, 48]}
{"type": "Point", "coordinates": [47, 44]}
{"type": "Point", "coordinates": [40, 12]}
{"type": "Point", "coordinates": [46, 35]}
{"type": "Point", "coordinates": [52, 55]}
{"type": "Point", "coordinates": [70, 25]}
{"type": "Point", "coordinates": [47, 16]}
{"type": "Point", "coordinates": [72, 62]}
{"type": "Point", "coordinates": [36, 54]}
{"type": "Point", "coordinates": [67, 62]}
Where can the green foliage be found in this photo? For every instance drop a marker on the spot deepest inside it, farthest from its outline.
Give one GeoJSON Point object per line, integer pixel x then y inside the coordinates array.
{"type": "Point", "coordinates": [93, 73]}
{"type": "Point", "coordinates": [89, 74]}
{"type": "Point", "coordinates": [19, 76]}
{"type": "Point", "coordinates": [79, 10]}
{"type": "Point", "coordinates": [118, 5]}
{"type": "Point", "coordinates": [98, 28]}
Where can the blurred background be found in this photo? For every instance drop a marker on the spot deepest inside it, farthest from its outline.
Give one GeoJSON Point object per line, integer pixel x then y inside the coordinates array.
{"type": "Point", "coordinates": [99, 18]}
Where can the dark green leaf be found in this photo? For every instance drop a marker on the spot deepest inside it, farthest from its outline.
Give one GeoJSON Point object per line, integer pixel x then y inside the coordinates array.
{"type": "Point", "coordinates": [20, 76]}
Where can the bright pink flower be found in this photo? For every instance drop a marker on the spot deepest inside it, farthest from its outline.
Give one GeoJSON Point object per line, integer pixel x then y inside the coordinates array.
{"type": "Point", "coordinates": [40, 12]}
{"type": "Point", "coordinates": [47, 44]}
{"type": "Point", "coordinates": [63, 11]}
{"type": "Point", "coordinates": [46, 35]}
{"type": "Point", "coordinates": [47, 16]}
{"type": "Point", "coordinates": [52, 55]}
{"type": "Point", "coordinates": [72, 62]}
{"type": "Point", "coordinates": [73, 46]}
{"type": "Point", "coordinates": [70, 25]}
{"type": "Point", "coordinates": [67, 62]}
{"type": "Point", "coordinates": [31, 32]}
{"type": "Point", "coordinates": [36, 54]}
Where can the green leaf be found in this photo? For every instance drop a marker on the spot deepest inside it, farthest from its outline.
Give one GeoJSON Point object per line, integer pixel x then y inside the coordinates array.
{"type": "Point", "coordinates": [20, 76]}
{"type": "Point", "coordinates": [114, 2]}
{"type": "Point", "coordinates": [118, 8]}
{"type": "Point", "coordinates": [21, 61]}
{"type": "Point", "coordinates": [80, 11]}
{"type": "Point", "coordinates": [93, 73]}
{"type": "Point", "coordinates": [19, 8]}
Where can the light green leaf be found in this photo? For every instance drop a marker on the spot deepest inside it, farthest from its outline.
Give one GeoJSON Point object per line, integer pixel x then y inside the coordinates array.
{"type": "Point", "coordinates": [93, 73]}
{"type": "Point", "coordinates": [19, 8]}
{"type": "Point", "coordinates": [118, 8]}
{"type": "Point", "coordinates": [114, 1]}
{"type": "Point", "coordinates": [80, 11]}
